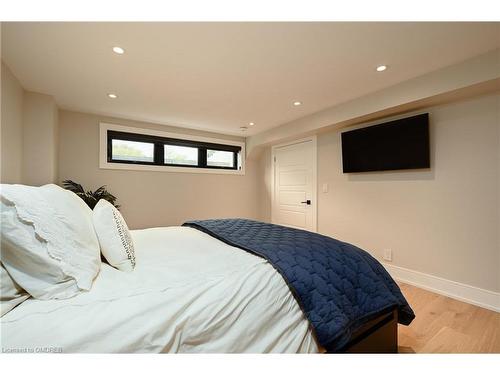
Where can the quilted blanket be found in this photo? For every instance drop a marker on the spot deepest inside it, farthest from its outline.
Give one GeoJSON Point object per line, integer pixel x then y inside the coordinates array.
{"type": "Point", "coordinates": [338, 286]}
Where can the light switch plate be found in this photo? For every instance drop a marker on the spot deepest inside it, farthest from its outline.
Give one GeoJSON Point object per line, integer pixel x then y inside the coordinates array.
{"type": "Point", "coordinates": [325, 188]}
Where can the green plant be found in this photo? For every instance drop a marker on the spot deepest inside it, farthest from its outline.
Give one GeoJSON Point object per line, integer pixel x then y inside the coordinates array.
{"type": "Point", "coordinates": [90, 197]}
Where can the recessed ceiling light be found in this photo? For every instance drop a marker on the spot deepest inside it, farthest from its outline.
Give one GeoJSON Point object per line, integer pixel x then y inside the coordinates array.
{"type": "Point", "coordinates": [297, 103]}
{"type": "Point", "coordinates": [243, 128]}
{"type": "Point", "coordinates": [251, 123]}
{"type": "Point", "coordinates": [381, 68]}
{"type": "Point", "coordinates": [118, 50]}
{"type": "Point", "coordinates": [112, 96]}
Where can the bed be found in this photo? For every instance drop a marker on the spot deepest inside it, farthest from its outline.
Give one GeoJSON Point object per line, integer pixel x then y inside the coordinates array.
{"type": "Point", "coordinates": [190, 292]}
{"type": "Point", "coordinates": [222, 285]}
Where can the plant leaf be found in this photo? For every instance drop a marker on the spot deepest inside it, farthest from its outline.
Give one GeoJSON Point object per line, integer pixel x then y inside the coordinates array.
{"type": "Point", "coordinates": [90, 197]}
{"type": "Point", "coordinates": [73, 186]}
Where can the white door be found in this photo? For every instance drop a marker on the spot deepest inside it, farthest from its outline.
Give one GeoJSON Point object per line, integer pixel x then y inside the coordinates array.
{"type": "Point", "coordinates": [294, 192]}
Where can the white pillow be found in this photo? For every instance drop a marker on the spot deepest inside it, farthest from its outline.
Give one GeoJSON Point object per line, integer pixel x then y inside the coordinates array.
{"type": "Point", "coordinates": [49, 246]}
{"type": "Point", "coordinates": [71, 207]}
{"type": "Point", "coordinates": [11, 294]}
{"type": "Point", "coordinates": [114, 236]}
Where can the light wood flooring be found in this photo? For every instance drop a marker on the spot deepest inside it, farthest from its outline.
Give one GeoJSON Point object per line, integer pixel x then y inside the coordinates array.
{"type": "Point", "coordinates": [445, 325]}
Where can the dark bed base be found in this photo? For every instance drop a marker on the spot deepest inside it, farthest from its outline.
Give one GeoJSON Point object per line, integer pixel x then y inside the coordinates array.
{"type": "Point", "coordinates": [379, 335]}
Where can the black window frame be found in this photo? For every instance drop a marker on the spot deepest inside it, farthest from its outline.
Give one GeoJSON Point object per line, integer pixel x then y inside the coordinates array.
{"type": "Point", "coordinates": [159, 147]}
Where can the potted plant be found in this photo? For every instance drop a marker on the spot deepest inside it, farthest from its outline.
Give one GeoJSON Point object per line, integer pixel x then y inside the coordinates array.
{"type": "Point", "coordinates": [90, 197]}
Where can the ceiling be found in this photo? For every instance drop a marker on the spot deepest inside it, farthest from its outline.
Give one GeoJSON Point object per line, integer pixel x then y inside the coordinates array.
{"type": "Point", "coordinates": [221, 76]}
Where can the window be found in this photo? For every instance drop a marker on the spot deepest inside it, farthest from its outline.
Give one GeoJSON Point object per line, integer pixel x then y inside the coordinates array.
{"type": "Point", "coordinates": [181, 155]}
{"type": "Point", "coordinates": [132, 151]}
{"type": "Point", "coordinates": [144, 149]}
{"type": "Point", "coordinates": [217, 158]}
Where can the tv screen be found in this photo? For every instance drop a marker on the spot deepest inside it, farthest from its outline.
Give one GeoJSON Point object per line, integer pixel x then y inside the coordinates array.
{"type": "Point", "coordinates": [400, 144]}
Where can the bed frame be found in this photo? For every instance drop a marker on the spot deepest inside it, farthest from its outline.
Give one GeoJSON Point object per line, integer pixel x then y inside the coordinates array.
{"type": "Point", "coordinates": [379, 335]}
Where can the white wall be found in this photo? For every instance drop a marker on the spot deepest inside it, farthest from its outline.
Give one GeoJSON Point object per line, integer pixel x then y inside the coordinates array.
{"type": "Point", "coordinates": [150, 199]}
{"type": "Point", "coordinates": [40, 125]}
{"type": "Point", "coordinates": [443, 221]}
{"type": "Point", "coordinates": [11, 128]}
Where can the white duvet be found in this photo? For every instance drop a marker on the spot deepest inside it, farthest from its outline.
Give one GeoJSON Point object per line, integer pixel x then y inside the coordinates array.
{"type": "Point", "coordinates": [189, 293]}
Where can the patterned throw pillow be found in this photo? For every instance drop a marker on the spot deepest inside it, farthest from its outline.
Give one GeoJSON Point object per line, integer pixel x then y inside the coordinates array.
{"type": "Point", "coordinates": [114, 236]}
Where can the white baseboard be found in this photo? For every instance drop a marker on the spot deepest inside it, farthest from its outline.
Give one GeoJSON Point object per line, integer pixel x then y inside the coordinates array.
{"type": "Point", "coordinates": [476, 296]}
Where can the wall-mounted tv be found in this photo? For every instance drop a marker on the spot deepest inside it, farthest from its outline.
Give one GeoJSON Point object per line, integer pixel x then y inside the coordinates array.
{"type": "Point", "coordinates": [399, 144]}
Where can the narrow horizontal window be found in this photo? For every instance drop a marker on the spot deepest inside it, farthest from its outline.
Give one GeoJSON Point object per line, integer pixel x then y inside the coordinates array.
{"type": "Point", "coordinates": [132, 151]}
{"type": "Point", "coordinates": [132, 148]}
{"type": "Point", "coordinates": [224, 159]}
{"type": "Point", "coordinates": [181, 155]}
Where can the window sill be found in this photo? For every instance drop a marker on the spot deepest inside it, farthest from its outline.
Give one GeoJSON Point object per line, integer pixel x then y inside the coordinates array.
{"type": "Point", "coordinates": [166, 168]}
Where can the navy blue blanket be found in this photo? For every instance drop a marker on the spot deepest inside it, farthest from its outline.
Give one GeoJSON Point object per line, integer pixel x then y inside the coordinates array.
{"type": "Point", "coordinates": [338, 286]}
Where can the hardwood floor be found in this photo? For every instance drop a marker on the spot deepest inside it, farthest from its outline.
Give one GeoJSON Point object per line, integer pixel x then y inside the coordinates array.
{"type": "Point", "coordinates": [445, 325]}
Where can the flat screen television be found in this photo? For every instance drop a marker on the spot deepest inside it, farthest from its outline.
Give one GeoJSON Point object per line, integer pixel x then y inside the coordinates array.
{"type": "Point", "coordinates": [399, 144]}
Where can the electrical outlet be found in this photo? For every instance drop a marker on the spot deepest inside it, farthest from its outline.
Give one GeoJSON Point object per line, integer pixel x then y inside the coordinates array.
{"type": "Point", "coordinates": [388, 255]}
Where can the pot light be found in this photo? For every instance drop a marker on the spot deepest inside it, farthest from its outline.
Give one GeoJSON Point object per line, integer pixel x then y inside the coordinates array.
{"type": "Point", "coordinates": [251, 123]}
{"type": "Point", "coordinates": [381, 68]}
{"type": "Point", "coordinates": [112, 96]}
{"type": "Point", "coordinates": [297, 103]}
{"type": "Point", "coordinates": [118, 50]}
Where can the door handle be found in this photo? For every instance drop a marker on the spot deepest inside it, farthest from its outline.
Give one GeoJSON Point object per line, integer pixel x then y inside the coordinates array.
{"type": "Point", "coordinates": [308, 202]}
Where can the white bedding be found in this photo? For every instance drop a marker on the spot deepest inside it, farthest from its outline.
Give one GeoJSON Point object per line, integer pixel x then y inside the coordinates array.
{"type": "Point", "coordinates": [189, 293]}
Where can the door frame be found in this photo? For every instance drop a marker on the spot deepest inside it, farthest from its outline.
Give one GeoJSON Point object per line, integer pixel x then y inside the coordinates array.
{"type": "Point", "coordinates": [314, 197]}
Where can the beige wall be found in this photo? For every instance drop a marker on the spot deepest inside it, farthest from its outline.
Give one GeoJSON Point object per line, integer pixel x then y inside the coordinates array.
{"type": "Point", "coordinates": [265, 175]}
{"type": "Point", "coordinates": [40, 125]}
{"type": "Point", "coordinates": [29, 134]}
{"type": "Point", "coordinates": [11, 128]}
{"type": "Point", "coordinates": [498, 191]}
{"type": "Point", "coordinates": [443, 221]}
{"type": "Point", "coordinates": [150, 199]}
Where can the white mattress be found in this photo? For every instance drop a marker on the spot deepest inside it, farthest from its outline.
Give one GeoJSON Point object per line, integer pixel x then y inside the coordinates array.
{"type": "Point", "coordinates": [188, 293]}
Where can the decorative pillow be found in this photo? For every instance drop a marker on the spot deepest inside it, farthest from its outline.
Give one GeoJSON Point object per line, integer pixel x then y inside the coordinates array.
{"type": "Point", "coordinates": [49, 246]}
{"type": "Point", "coordinates": [114, 236]}
{"type": "Point", "coordinates": [11, 294]}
